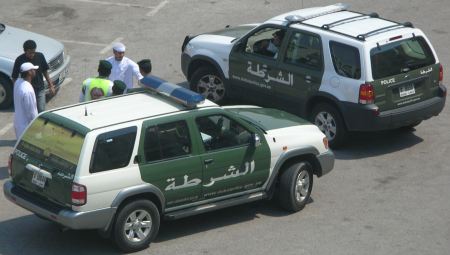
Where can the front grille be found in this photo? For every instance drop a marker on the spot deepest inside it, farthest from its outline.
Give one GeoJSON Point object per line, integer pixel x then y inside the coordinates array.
{"type": "Point", "coordinates": [56, 62]}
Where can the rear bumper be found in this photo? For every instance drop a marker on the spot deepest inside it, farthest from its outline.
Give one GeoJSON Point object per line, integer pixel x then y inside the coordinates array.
{"type": "Point", "coordinates": [363, 118]}
{"type": "Point", "coordinates": [326, 161]}
{"type": "Point", "coordinates": [97, 219]}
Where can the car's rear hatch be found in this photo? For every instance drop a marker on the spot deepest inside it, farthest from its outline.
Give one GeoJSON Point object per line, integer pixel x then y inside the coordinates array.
{"type": "Point", "coordinates": [45, 160]}
{"type": "Point", "coordinates": [404, 72]}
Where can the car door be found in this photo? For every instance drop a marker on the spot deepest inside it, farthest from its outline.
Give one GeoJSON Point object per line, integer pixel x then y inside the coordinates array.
{"type": "Point", "coordinates": [232, 162]}
{"type": "Point", "coordinates": [168, 160]}
{"type": "Point", "coordinates": [254, 65]}
{"type": "Point", "coordinates": [302, 66]}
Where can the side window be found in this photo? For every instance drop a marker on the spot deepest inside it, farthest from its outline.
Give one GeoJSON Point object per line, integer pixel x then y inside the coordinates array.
{"type": "Point", "coordinates": [304, 50]}
{"type": "Point", "coordinates": [219, 132]}
{"type": "Point", "coordinates": [265, 42]}
{"type": "Point", "coordinates": [113, 150]}
{"type": "Point", "coordinates": [346, 60]}
{"type": "Point", "coordinates": [167, 141]}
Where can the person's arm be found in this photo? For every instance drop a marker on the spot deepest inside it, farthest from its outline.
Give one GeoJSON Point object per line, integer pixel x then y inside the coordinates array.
{"type": "Point", "coordinates": [136, 71]}
{"type": "Point", "coordinates": [29, 102]}
{"type": "Point", "coordinates": [15, 71]}
{"type": "Point", "coordinates": [44, 67]}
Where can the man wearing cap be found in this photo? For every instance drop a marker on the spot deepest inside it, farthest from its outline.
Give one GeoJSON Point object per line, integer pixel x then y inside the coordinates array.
{"type": "Point", "coordinates": [123, 68]}
{"type": "Point", "coordinates": [95, 88]}
{"type": "Point", "coordinates": [38, 59]}
{"type": "Point", "coordinates": [118, 88]}
{"type": "Point", "coordinates": [25, 107]}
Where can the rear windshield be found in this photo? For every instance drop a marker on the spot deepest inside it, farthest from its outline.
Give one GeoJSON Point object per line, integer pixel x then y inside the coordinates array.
{"type": "Point", "coordinates": [46, 141]}
{"type": "Point", "coordinates": [400, 57]}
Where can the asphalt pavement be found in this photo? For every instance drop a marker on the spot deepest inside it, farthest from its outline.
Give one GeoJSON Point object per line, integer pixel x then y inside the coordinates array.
{"type": "Point", "coordinates": [388, 193]}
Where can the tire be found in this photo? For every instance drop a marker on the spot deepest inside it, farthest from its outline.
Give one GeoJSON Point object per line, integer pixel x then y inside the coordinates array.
{"type": "Point", "coordinates": [6, 92]}
{"type": "Point", "coordinates": [131, 235]}
{"type": "Point", "coordinates": [295, 188]}
{"type": "Point", "coordinates": [209, 83]}
{"type": "Point", "coordinates": [330, 122]}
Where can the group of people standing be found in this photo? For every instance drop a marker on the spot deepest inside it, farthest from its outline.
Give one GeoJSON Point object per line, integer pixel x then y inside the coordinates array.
{"type": "Point", "coordinates": [115, 76]}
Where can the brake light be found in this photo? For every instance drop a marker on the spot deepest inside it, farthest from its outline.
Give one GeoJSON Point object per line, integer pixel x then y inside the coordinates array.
{"type": "Point", "coordinates": [366, 94]}
{"type": "Point", "coordinates": [79, 194]}
{"type": "Point", "coordinates": [441, 74]}
{"type": "Point", "coordinates": [395, 38]}
{"type": "Point", "coordinates": [325, 143]}
{"type": "Point", "coordinates": [10, 165]}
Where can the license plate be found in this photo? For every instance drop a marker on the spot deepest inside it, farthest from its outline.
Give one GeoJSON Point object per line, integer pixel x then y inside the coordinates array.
{"type": "Point", "coordinates": [38, 179]}
{"type": "Point", "coordinates": [407, 90]}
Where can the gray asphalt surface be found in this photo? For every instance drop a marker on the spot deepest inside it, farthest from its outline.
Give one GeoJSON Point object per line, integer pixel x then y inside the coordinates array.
{"type": "Point", "coordinates": [389, 191]}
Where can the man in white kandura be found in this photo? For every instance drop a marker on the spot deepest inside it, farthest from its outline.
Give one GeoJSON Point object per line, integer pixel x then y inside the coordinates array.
{"type": "Point", "coordinates": [123, 68]}
{"type": "Point", "coordinates": [25, 107]}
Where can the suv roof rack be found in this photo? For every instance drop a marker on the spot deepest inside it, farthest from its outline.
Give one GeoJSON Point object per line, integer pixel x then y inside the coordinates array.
{"type": "Point", "coordinates": [363, 37]}
{"type": "Point", "coordinates": [292, 19]}
{"type": "Point", "coordinates": [351, 19]}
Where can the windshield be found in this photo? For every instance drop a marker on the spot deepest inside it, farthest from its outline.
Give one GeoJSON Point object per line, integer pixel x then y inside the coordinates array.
{"type": "Point", "coordinates": [46, 141]}
{"type": "Point", "coordinates": [400, 57]}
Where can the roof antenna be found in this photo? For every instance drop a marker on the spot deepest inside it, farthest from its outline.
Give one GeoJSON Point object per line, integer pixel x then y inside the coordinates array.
{"type": "Point", "coordinates": [85, 111]}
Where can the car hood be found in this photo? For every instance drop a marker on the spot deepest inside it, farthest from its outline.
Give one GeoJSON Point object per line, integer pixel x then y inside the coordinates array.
{"type": "Point", "coordinates": [267, 118]}
{"type": "Point", "coordinates": [234, 32]}
{"type": "Point", "coordinates": [12, 39]}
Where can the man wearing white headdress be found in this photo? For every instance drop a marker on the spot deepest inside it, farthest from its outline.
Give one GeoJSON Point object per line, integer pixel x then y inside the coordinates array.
{"type": "Point", "coordinates": [123, 68]}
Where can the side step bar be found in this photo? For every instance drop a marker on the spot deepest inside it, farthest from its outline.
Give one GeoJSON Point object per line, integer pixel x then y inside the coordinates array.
{"type": "Point", "coordinates": [215, 206]}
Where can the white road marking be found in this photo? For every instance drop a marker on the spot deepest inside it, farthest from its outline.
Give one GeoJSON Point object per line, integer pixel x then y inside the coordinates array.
{"type": "Point", "coordinates": [112, 3]}
{"type": "Point", "coordinates": [84, 43]}
{"type": "Point", "coordinates": [5, 129]}
{"type": "Point", "coordinates": [109, 46]}
{"type": "Point", "coordinates": [157, 8]}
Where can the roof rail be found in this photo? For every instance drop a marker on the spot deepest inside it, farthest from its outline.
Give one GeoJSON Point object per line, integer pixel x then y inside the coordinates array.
{"type": "Point", "coordinates": [351, 19]}
{"type": "Point", "coordinates": [324, 11]}
{"type": "Point", "coordinates": [363, 37]}
{"type": "Point", "coordinates": [177, 93]}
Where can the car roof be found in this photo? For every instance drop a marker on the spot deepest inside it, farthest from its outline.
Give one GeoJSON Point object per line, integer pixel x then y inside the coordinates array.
{"type": "Point", "coordinates": [347, 23]}
{"type": "Point", "coordinates": [129, 107]}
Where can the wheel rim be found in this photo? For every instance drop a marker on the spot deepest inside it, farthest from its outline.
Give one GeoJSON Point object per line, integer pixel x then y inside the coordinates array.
{"type": "Point", "coordinates": [138, 226]}
{"type": "Point", "coordinates": [211, 87]}
{"type": "Point", "coordinates": [326, 124]}
{"type": "Point", "coordinates": [302, 186]}
{"type": "Point", "coordinates": [2, 93]}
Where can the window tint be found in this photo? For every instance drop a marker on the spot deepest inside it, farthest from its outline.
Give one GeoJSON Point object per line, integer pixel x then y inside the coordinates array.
{"type": "Point", "coordinates": [167, 141]}
{"type": "Point", "coordinates": [401, 56]}
{"type": "Point", "coordinates": [219, 132]}
{"type": "Point", "coordinates": [346, 60]}
{"type": "Point", "coordinates": [113, 149]}
{"type": "Point", "coordinates": [265, 42]}
{"type": "Point", "coordinates": [305, 50]}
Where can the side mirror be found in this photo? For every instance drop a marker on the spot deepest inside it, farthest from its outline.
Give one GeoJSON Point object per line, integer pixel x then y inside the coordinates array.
{"type": "Point", "coordinates": [137, 159]}
{"type": "Point", "coordinates": [238, 46]}
{"type": "Point", "coordinates": [255, 140]}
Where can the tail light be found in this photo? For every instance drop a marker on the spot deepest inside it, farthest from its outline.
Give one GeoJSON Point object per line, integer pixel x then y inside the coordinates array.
{"type": "Point", "coordinates": [441, 74]}
{"type": "Point", "coordinates": [10, 165]}
{"type": "Point", "coordinates": [79, 194]}
{"type": "Point", "coordinates": [325, 143]}
{"type": "Point", "coordinates": [366, 94]}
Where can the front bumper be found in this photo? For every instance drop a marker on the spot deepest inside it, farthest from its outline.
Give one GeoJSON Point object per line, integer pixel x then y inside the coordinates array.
{"type": "Point", "coordinates": [59, 75]}
{"type": "Point", "coordinates": [363, 118]}
{"type": "Point", "coordinates": [326, 161]}
{"type": "Point", "coordinates": [97, 219]}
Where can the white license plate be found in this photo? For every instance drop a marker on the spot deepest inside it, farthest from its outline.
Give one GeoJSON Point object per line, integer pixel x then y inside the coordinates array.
{"type": "Point", "coordinates": [38, 179]}
{"type": "Point", "coordinates": [407, 90]}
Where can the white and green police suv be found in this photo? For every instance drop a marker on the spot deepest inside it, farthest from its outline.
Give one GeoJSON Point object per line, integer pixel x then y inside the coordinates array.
{"type": "Point", "coordinates": [121, 164]}
{"type": "Point", "coordinates": [344, 70]}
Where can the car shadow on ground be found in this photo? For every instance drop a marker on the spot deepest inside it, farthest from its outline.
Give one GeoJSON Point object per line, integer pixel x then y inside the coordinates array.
{"type": "Point", "coordinates": [32, 235]}
{"type": "Point", "coordinates": [370, 144]}
{"type": "Point", "coordinates": [4, 173]}
{"type": "Point", "coordinates": [217, 219]}
{"type": "Point", "coordinates": [7, 143]}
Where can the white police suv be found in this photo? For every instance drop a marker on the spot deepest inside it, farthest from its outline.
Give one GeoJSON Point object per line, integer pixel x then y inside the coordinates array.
{"type": "Point", "coordinates": [121, 164]}
{"type": "Point", "coordinates": [344, 70]}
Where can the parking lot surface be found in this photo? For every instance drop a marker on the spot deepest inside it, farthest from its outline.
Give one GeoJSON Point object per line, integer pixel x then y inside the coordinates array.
{"type": "Point", "coordinates": [388, 192]}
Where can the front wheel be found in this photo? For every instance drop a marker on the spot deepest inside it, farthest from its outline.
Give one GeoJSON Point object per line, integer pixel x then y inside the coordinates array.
{"type": "Point", "coordinates": [296, 184]}
{"type": "Point", "coordinates": [136, 225]}
{"type": "Point", "coordinates": [209, 83]}
{"type": "Point", "coordinates": [330, 122]}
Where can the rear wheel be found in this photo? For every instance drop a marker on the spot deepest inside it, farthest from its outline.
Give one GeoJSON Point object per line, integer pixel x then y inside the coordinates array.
{"type": "Point", "coordinates": [6, 92]}
{"type": "Point", "coordinates": [136, 225]}
{"type": "Point", "coordinates": [330, 122]}
{"type": "Point", "coordinates": [208, 82]}
{"type": "Point", "coordinates": [296, 184]}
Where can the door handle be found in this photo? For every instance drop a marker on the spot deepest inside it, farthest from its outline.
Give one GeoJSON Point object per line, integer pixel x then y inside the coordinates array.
{"type": "Point", "coordinates": [208, 161]}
